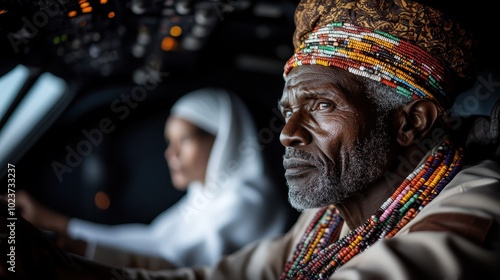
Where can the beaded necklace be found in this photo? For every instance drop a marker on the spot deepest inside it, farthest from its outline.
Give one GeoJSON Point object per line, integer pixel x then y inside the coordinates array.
{"type": "Point", "coordinates": [315, 258]}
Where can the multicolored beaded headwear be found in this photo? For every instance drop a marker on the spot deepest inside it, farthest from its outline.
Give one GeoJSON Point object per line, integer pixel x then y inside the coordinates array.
{"type": "Point", "coordinates": [408, 46]}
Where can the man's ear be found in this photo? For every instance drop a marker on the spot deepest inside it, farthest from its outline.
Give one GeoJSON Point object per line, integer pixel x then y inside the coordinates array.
{"type": "Point", "coordinates": [415, 120]}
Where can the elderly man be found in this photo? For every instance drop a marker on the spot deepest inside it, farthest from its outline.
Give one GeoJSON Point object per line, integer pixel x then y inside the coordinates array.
{"type": "Point", "coordinates": [386, 192]}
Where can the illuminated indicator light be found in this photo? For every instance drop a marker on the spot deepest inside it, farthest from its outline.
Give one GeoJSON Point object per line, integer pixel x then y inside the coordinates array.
{"type": "Point", "coordinates": [3, 11]}
{"type": "Point", "coordinates": [87, 10]}
{"type": "Point", "coordinates": [82, 1]}
{"type": "Point", "coordinates": [104, 1]}
{"type": "Point", "coordinates": [72, 14]}
{"type": "Point", "coordinates": [56, 40]}
{"type": "Point", "coordinates": [101, 200]}
{"type": "Point", "coordinates": [64, 37]}
{"type": "Point", "coordinates": [175, 31]}
{"type": "Point", "coordinates": [111, 14]}
{"type": "Point", "coordinates": [84, 5]}
{"type": "Point", "coordinates": [168, 43]}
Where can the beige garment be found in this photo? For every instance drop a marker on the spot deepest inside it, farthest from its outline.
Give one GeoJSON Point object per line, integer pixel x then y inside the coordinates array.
{"type": "Point", "coordinates": [419, 251]}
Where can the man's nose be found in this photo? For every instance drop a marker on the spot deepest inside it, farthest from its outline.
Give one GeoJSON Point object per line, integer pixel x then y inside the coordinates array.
{"type": "Point", "coordinates": [294, 133]}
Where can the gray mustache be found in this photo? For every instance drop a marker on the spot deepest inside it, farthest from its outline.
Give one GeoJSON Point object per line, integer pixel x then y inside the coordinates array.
{"type": "Point", "coordinates": [299, 154]}
{"type": "Point", "coordinates": [293, 155]}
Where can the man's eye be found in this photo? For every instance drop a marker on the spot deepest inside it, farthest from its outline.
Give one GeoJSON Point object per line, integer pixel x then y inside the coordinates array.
{"type": "Point", "coordinates": [323, 105]}
{"type": "Point", "coordinates": [287, 113]}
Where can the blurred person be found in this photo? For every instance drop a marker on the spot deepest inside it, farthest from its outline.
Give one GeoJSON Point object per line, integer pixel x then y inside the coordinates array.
{"type": "Point", "coordinates": [213, 154]}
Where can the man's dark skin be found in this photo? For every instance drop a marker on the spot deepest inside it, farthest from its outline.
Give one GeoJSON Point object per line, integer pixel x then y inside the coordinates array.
{"type": "Point", "coordinates": [326, 112]}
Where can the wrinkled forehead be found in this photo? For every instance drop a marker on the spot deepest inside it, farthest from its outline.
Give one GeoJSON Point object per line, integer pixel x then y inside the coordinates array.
{"type": "Point", "coordinates": [308, 79]}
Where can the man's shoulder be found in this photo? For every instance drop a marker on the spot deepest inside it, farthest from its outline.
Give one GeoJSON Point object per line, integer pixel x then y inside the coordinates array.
{"type": "Point", "coordinates": [470, 200]}
{"type": "Point", "coordinates": [479, 174]}
{"type": "Point", "coordinates": [485, 168]}
{"type": "Point", "coordinates": [475, 189]}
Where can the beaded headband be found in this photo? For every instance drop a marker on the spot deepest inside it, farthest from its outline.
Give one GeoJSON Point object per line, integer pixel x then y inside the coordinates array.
{"type": "Point", "coordinates": [409, 46]}
{"type": "Point", "coordinates": [375, 55]}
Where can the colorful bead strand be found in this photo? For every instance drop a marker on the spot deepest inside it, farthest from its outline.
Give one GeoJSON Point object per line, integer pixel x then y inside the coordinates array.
{"type": "Point", "coordinates": [376, 55]}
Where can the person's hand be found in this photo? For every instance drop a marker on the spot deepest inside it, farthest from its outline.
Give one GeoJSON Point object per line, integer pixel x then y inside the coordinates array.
{"type": "Point", "coordinates": [39, 215]}
{"type": "Point", "coordinates": [46, 219]}
{"type": "Point", "coordinates": [26, 253]}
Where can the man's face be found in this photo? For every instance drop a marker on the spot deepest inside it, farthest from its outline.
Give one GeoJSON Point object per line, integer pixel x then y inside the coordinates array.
{"type": "Point", "coordinates": [336, 145]}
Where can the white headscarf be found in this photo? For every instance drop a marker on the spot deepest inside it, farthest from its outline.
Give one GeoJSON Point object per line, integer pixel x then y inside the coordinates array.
{"type": "Point", "coordinates": [237, 205]}
{"type": "Point", "coordinates": [235, 154]}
